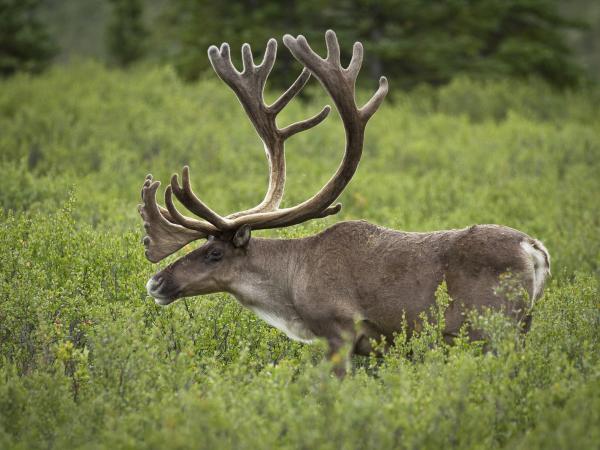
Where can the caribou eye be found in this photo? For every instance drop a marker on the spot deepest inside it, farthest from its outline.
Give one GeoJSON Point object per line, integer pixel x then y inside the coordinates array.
{"type": "Point", "coordinates": [214, 255]}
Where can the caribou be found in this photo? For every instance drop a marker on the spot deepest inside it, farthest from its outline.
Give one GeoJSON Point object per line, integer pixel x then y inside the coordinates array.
{"type": "Point", "coordinates": [355, 282]}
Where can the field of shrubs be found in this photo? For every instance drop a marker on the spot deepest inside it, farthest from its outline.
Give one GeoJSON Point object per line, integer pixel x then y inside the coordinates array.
{"type": "Point", "coordinates": [87, 360]}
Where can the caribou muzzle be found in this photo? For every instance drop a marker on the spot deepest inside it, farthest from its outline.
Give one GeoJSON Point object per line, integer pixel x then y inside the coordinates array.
{"type": "Point", "coordinates": [162, 290]}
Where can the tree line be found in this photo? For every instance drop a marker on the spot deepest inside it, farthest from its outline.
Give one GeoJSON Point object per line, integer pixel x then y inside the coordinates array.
{"type": "Point", "coordinates": [411, 41]}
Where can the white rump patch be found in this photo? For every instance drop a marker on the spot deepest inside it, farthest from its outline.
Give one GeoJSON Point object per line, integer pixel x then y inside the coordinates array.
{"type": "Point", "coordinates": [294, 328]}
{"type": "Point", "coordinates": [540, 259]}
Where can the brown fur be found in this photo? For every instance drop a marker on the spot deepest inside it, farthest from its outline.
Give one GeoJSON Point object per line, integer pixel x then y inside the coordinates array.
{"type": "Point", "coordinates": [357, 271]}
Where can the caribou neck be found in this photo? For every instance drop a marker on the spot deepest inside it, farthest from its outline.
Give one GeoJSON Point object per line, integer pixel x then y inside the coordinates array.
{"type": "Point", "coordinates": [264, 277]}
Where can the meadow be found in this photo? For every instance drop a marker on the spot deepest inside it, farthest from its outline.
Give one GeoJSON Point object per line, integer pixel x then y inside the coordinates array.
{"type": "Point", "coordinates": [87, 360]}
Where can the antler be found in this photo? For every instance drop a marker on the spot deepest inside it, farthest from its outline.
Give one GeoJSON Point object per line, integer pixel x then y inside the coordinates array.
{"type": "Point", "coordinates": [339, 82]}
{"type": "Point", "coordinates": [248, 85]}
{"type": "Point", "coordinates": [167, 229]}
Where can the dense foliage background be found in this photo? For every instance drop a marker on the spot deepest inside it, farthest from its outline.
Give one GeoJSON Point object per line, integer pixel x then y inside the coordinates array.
{"type": "Point", "coordinates": [88, 361]}
{"type": "Point", "coordinates": [412, 41]}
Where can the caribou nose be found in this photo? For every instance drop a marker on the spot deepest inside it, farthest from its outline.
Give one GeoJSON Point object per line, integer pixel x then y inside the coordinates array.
{"type": "Point", "coordinates": [153, 285]}
{"type": "Point", "coordinates": [160, 288]}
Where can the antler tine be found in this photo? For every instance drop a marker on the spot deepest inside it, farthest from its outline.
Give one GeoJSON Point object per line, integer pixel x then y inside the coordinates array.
{"type": "Point", "coordinates": [375, 101]}
{"type": "Point", "coordinates": [187, 197]}
{"type": "Point", "coordinates": [187, 222]}
{"type": "Point", "coordinates": [312, 59]}
{"type": "Point", "coordinates": [162, 236]}
{"type": "Point", "coordinates": [269, 58]}
{"type": "Point", "coordinates": [305, 124]}
{"type": "Point", "coordinates": [291, 92]}
{"type": "Point", "coordinates": [333, 48]}
{"type": "Point", "coordinates": [356, 61]}
{"type": "Point", "coordinates": [164, 212]}
{"type": "Point", "coordinates": [221, 62]}
{"type": "Point", "coordinates": [247, 60]}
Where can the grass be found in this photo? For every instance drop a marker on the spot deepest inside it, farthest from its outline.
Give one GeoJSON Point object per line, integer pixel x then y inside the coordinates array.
{"type": "Point", "coordinates": [88, 361]}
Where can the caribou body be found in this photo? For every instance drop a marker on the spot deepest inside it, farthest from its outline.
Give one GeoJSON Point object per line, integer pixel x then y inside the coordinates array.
{"type": "Point", "coordinates": [355, 280]}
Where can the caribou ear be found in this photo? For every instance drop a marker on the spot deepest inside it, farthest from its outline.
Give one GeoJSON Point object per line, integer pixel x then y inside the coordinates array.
{"type": "Point", "coordinates": [242, 236]}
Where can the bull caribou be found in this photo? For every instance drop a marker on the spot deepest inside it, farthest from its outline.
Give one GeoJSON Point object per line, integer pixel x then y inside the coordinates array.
{"type": "Point", "coordinates": [355, 280]}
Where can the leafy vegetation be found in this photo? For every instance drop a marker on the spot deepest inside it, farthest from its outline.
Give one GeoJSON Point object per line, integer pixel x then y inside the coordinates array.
{"type": "Point", "coordinates": [88, 361]}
